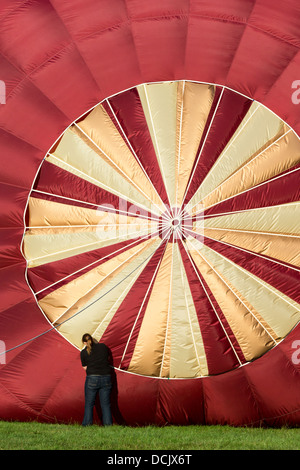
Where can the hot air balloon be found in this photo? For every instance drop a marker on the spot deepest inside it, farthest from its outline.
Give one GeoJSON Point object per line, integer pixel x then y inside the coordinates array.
{"type": "Point", "coordinates": [150, 196]}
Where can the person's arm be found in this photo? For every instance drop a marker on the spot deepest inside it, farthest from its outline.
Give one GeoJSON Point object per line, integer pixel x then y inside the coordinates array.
{"type": "Point", "coordinates": [83, 362]}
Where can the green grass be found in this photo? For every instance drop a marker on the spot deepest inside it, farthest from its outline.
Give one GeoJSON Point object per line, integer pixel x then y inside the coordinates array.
{"type": "Point", "coordinates": [34, 436]}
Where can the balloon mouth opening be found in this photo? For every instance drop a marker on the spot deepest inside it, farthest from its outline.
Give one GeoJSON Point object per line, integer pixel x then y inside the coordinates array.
{"type": "Point", "coordinates": [215, 340]}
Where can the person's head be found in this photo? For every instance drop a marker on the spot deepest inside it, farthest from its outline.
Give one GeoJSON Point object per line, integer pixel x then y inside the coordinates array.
{"type": "Point", "coordinates": [88, 342]}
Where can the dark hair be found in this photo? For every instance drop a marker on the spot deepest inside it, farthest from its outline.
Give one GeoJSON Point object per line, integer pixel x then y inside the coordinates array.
{"type": "Point", "coordinates": [87, 338]}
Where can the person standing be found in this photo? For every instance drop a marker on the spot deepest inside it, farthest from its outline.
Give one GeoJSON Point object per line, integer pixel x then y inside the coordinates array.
{"type": "Point", "coordinates": [95, 359]}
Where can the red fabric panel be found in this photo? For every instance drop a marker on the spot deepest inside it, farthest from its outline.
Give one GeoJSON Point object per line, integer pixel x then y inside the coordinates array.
{"type": "Point", "coordinates": [31, 361]}
{"type": "Point", "coordinates": [67, 90]}
{"type": "Point", "coordinates": [229, 400]}
{"type": "Point", "coordinates": [275, 192]}
{"type": "Point", "coordinates": [111, 43]}
{"type": "Point", "coordinates": [57, 181]}
{"type": "Point", "coordinates": [25, 25]}
{"type": "Point", "coordinates": [33, 106]}
{"type": "Point", "coordinates": [213, 42]}
{"type": "Point", "coordinates": [130, 395]}
{"type": "Point", "coordinates": [27, 363]}
{"type": "Point", "coordinates": [10, 75]}
{"type": "Point", "coordinates": [128, 109]}
{"type": "Point", "coordinates": [181, 401]}
{"type": "Point", "coordinates": [10, 254]}
{"type": "Point", "coordinates": [156, 8]}
{"type": "Point", "coordinates": [281, 20]}
{"type": "Point", "coordinates": [22, 317]}
{"type": "Point", "coordinates": [270, 61]}
{"type": "Point", "coordinates": [21, 156]}
{"type": "Point", "coordinates": [283, 278]}
{"type": "Point", "coordinates": [233, 10]}
{"type": "Point", "coordinates": [12, 408]}
{"type": "Point", "coordinates": [55, 407]}
{"type": "Point", "coordinates": [82, 20]}
{"type": "Point", "coordinates": [11, 217]}
{"type": "Point", "coordinates": [230, 112]}
{"type": "Point", "coordinates": [279, 96]}
{"type": "Point", "coordinates": [160, 46]}
{"type": "Point", "coordinates": [219, 354]}
{"type": "Point", "coordinates": [275, 381]}
{"type": "Point", "coordinates": [13, 287]}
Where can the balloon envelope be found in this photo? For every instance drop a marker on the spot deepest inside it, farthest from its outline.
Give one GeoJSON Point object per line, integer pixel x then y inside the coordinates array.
{"type": "Point", "coordinates": [150, 196]}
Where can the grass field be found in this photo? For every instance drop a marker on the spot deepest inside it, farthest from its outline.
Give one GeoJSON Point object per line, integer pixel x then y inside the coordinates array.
{"type": "Point", "coordinates": [38, 436]}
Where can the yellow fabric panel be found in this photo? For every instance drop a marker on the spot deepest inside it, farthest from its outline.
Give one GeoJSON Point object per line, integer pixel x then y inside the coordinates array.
{"type": "Point", "coordinates": [40, 247]}
{"type": "Point", "coordinates": [282, 219]}
{"type": "Point", "coordinates": [63, 302]}
{"type": "Point", "coordinates": [274, 246]}
{"type": "Point", "coordinates": [44, 213]}
{"type": "Point", "coordinates": [277, 310]}
{"type": "Point", "coordinates": [150, 346]}
{"type": "Point", "coordinates": [188, 357]}
{"type": "Point", "coordinates": [59, 231]}
{"type": "Point", "coordinates": [276, 159]}
{"type": "Point", "coordinates": [254, 338]}
{"type": "Point", "coordinates": [258, 127]}
{"type": "Point", "coordinates": [102, 131]}
{"type": "Point", "coordinates": [159, 101]}
{"type": "Point", "coordinates": [74, 155]}
{"type": "Point", "coordinates": [97, 316]}
{"type": "Point", "coordinates": [193, 106]}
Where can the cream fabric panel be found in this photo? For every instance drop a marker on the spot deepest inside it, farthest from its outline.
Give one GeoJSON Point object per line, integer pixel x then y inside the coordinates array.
{"type": "Point", "coordinates": [194, 102]}
{"type": "Point", "coordinates": [101, 130]}
{"type": "Point", "coordinates": [76, 156]}
{"type": "Point", "coordinates": [258, 127]}
{"type": "Point", "coordinates": [40, 248]}
{"type": "Point", "coordinates": [282, 219]}
{"type": "Point", "coordinates": [274, 246]}
{"type": "Point", "coordinates": [159, 103]}
{"type": "Point", "coordinates": [188, 357]}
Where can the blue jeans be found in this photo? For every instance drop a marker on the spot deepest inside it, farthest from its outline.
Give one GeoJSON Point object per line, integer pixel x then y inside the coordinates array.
{"type": "Point", "coordinates": [97, 384]}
